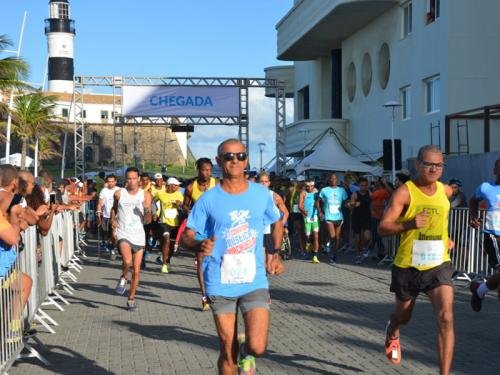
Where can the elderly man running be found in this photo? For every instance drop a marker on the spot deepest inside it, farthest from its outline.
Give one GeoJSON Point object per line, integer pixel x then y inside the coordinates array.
{"type": "Point", "coordinates": [227, 225]}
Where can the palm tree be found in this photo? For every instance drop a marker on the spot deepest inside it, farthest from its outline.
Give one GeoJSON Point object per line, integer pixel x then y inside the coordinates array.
{"type": "Point", "coordinates": [33, 119]}
{"type": "Point", "coordinates": [12, 69]}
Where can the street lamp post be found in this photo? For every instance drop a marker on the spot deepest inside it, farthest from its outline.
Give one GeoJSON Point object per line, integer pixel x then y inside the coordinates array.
{"type": "Point", "coordinates": [393, 105]}
{"type": "Point", "coordinates": [304, 136]}
{"type": "Point", "coordinates": [261, 149]}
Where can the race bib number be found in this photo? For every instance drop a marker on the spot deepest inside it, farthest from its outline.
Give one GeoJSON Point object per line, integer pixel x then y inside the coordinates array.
{"type": "Point", "coordinates": [295, 208]}
{"type": "Point", "coordinates": [427, 253]}
{"type": "Point", "coordinates": [170, 213]}
{"type": "Point", "coordinates": [238, 268]}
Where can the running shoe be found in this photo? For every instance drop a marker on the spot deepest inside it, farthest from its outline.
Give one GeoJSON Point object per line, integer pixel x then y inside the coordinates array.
{"type": "Point", "coordinates": [159, 260]}
{"type": "Point", "coordinates": [120, 288]}
{"type": "Point", "coordinates": [366, 253]}
{"type": "Point", "coordinates": [392, 347]}
{"type": "Point", "coordinates": [326, 248]}
{"type": "Point", "coordinates": [131, 305]}
{"type": "Point", "coordinates": [246, 365]}
{"type": "Point", "coordinates": [357, 260]}
{"type": "Point", "coordinates": [308, 247]}
{"type": "Point", "coordinates": [113, 254]}
{"type": "Point", "coordinates": [475, 302]}
{"type": "Point", "coordinates": [333, 259]}
{"type": "Point", "coordinates": [204, 304]}
{"type": "Point", "coordinates": [315, 259]}
{"type": "Point", "coordinates": [164, 268]}
{"type": "Point", "coordinates": [303, 254]}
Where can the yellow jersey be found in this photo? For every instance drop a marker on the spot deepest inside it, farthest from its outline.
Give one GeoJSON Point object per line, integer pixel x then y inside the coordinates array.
{"type": "Point", "coordinates": [196, 193]}
{"type": "Point", "coordinates": [427, 247]}
{"type": "Point", "coordinates": [168, 206]}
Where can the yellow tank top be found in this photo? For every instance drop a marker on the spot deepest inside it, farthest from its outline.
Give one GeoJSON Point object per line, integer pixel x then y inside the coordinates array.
{"type": "Point", "coordinates": [196, 193]}
{"type": "Point", "coordinates": [426, 247]}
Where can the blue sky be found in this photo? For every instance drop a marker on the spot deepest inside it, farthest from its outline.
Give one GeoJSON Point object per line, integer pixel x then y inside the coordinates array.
{"type": "Point", "coordinates": [167, 38]}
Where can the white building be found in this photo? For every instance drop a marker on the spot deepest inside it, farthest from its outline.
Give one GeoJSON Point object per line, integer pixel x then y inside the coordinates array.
{"type": "Point", "coordinates": [435, 57]}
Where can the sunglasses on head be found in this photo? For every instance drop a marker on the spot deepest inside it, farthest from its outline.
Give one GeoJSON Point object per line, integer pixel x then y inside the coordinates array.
{"type": "Point", "coordinates": [229, 156]}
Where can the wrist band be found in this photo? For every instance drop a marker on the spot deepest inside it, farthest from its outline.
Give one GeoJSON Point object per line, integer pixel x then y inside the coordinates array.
{"type": "Point", "coordinates": [273, 251]}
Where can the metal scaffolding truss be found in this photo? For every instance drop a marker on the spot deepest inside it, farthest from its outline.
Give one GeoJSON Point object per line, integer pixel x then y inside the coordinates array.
{"type": "Point", "coordinates": [117, 82]}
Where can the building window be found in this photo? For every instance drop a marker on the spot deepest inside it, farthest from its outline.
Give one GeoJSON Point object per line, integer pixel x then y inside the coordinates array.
{"type": "Point", "coordinates": [433, 10]}
{"type": "Point", "coordinates": [405, 97]}
{"type": "Point", "coordinates": [303, 103]}
{"type": "Point", "coordinates": [84, 114]}
{"type": "Point", "coordinates": [432, 102]}
{"type": "Point", "coordinates": [65, 112]}
{"type": "Point", "coordinates": [104, 115]}
{"type": "Point", "coordinates": [407, 18]}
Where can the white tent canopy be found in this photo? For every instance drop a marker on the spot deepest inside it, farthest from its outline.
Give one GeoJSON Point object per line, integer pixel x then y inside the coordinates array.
{"type": "Point", "coordinates": [330, 156]}
{"type": "Point", "coordinates": [15, 159]}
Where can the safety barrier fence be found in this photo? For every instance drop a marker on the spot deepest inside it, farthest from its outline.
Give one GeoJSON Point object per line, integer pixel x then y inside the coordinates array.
{"type": "Point", "coordinates": [52, 262]}
{"type": "Point", "coordinates": [467, 255]}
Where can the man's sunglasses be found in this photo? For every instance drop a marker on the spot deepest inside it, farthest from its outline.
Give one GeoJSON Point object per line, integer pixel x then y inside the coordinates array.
{"type": "Point", "coordinates": [229, 156]}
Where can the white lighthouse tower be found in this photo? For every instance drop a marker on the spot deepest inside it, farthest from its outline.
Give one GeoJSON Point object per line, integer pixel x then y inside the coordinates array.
{"type": "Point", "coordinates": [60, 31]}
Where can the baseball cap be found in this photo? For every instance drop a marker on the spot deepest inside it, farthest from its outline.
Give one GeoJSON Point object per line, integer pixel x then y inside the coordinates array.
{"type": "Point", "coordinates": [158, 175]}
{"type": "Point", "coordinates": [173, 181]}
{"type": "Point", "coordinates": [301, 178]}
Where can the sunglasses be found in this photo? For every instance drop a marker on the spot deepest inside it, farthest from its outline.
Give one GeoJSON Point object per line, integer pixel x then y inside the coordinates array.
{"type": "Point", "coordinates": [229, 156]}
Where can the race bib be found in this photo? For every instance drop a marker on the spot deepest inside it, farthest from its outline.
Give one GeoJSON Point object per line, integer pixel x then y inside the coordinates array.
{"type": "Point", "coordinates": [493, 221]}
{"type": "Point", "coordinates": [238, 268]}
{"type": "Point", "coordinates": [170, 213]}
{"type": "Point", "coordinates": [295, 208]}
{"type": "Point", "coordinates": [333, 209]}
{"type": "Point", "coordinates": [427, 253]}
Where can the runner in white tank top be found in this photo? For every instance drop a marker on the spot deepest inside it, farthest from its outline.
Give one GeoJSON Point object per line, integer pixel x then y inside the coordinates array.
{"type": "Point", "coordinates": [130, 218]}
{"type": "Point", "coordinates": [131, 210]}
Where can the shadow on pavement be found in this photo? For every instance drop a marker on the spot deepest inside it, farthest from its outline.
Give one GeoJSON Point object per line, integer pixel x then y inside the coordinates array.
{"type": "Point", "coordinates": [173, 333]}
{"type": "Point", "coordinates": [66, 361]}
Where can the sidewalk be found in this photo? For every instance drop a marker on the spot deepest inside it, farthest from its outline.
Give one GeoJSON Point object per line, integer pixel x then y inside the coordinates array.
{"type": "Point", "coordinates": [325, 320]}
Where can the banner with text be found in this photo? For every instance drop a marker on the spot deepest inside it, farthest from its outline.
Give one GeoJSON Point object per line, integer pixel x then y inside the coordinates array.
{"type": "Point", "coordinates": [180, 101]}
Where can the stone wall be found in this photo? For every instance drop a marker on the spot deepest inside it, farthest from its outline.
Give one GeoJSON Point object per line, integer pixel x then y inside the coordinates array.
{"type": "Point", "coordinates": [150, 143]}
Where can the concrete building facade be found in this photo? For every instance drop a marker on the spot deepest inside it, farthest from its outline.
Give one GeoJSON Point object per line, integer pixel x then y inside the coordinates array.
{"type": "Point", "coordinates": [434, 57]}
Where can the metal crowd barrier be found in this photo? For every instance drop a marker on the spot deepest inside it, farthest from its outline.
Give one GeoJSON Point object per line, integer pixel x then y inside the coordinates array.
{"type": "Point", "coordinates": [52, 263]}
{"type": "Point", "coordinates": [468, 254]}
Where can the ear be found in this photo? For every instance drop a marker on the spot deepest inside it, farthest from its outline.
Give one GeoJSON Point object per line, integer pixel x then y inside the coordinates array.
{"type": "Point", "coordinates": [219, 161]}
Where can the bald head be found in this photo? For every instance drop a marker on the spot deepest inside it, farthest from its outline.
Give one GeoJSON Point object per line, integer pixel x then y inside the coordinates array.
{"type": "Point", "coordinates": [226, 142]}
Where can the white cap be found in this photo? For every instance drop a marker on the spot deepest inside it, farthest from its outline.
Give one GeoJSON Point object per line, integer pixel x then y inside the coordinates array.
{"type": "Point", "coordinates": [300, 178]}
{"type": "Point", "coordinates": [173, 181]}
{"type": "Point", "coordinates": [158, 175]}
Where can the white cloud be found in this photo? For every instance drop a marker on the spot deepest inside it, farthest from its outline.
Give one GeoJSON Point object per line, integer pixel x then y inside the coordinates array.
{"type": "Point", "coordinates": [262, 128]}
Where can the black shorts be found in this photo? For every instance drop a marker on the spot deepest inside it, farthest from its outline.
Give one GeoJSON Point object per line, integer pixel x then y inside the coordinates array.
{"type": "Point", "coordinates": [407, 283]}
{"type": "Point", "coordinates": [163, 229]}
{"type": "Point", "coordinates": [361, 224]}
{"type": "Point", "coordinates": [336, 223]}
{"type": "Point", "coordinates": [491, 245]}
{"type": "Point", "coordinates": [105, 224]}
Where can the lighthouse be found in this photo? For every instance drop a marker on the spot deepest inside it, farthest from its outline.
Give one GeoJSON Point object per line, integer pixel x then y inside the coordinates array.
{"type": "Point", "coordinates": [60, 31]}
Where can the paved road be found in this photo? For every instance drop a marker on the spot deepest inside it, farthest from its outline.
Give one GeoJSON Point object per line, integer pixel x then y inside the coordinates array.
{"type": "Point", "coordinates": [325, 320]}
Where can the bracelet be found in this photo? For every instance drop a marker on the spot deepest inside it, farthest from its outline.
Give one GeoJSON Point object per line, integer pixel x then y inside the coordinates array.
{"type": "Point", "coordinates": [273, 251]}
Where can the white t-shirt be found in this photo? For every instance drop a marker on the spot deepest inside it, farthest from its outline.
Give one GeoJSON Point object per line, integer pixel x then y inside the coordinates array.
{"type": "Point", "coordinates": [107, 197]}
{"type": "Point", "coordinates": [130, 217]}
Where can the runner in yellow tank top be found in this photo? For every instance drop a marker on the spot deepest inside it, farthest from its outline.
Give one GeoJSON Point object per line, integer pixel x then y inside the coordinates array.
{"type": "Point", "coordinates": [418, 211]}
{"type": "Point", "coordinates": [203, 182]}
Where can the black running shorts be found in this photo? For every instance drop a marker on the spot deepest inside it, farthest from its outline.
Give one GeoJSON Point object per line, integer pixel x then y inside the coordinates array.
{"type": "Point", "coordinates": [407, 283]}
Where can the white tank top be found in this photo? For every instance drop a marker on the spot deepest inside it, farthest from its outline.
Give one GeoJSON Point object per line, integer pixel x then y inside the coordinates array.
{"type": "Point", "coordinates": [130, 217]}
